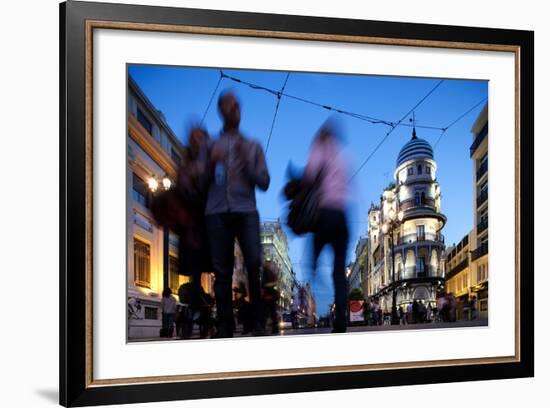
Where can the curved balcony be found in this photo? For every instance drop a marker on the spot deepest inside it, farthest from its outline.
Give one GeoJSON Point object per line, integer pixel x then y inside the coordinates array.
{"type": "Point", "coordinates": [427, 238]}
{"type": "Point", "coordinates": [422, 211]}
{"type": "Point", "coordinates": [430, 278]}
{"type": "Point", "coordinates": [414, 272]}
{"type": "Point", "coordinates": [412, 203]}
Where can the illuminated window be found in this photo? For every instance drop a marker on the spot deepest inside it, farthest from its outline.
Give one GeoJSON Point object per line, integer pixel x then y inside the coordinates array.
{"type": "Point", "coordinates": [142, 263]}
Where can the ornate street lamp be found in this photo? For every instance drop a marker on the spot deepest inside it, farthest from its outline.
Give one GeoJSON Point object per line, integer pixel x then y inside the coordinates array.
{"type": "Point", "coordinates": [153, 186]}
{"type": "Point", "coordinates": [389, 227]}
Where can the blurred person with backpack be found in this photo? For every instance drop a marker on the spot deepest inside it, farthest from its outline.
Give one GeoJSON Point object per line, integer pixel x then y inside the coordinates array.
{"type": "Point", "coordinates": [319, 200]}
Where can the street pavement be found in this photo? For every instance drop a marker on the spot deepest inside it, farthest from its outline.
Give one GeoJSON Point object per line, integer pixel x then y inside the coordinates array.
{"type": "Point", "coordinates": [351, 329]}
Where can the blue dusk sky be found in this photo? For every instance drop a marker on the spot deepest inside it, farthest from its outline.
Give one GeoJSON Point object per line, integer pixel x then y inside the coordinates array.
{"type": "Point", "coordinates": [183, 94]}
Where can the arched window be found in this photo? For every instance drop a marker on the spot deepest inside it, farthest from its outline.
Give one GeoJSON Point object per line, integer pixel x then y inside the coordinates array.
{"type": "Point", "coordinates": [419, 169]}
{"type": "Point", "coordinates": [422, 198]}
{"type": "Point", "coordinates": [417, 198]}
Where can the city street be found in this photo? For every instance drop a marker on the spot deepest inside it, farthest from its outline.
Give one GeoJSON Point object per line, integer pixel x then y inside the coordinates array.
{"type": "Point", "coordinates": [351, 329]}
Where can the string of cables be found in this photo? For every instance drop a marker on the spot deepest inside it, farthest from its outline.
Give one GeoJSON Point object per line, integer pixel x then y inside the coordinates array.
{"type": "Point", "coordinates": [281, 93]}
{"type": "Point", "coordinates": [389, 132]}
{"type": "Point", "coordinates": [456, 121]}
{"type": "Point", "coordinates": [370, 119]}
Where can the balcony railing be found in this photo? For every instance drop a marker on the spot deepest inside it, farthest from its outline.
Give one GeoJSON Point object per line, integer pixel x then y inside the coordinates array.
{"type": "Point", "coordinates": [483, 249]}
{"type": "Point", "coordinates": [453, 271]}
{"type": "Point", "coordinates": [482, 170]}
{"type": "Point", "coordinates": [482, 197]}
{"type": "Point", "coordinates": [414, 272]}
{"type": "Point", "coordinates": [482, 226]}
{"type": "Point", "coordinates": [411, 203]}
{"type": "Point", "coordinates": [480, 137]}
{"type": "Point", "coordinates": [427, 236]}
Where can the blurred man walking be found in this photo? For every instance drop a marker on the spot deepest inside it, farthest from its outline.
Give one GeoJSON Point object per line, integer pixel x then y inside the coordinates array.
{"type": "Point", "coordinates": [237, 166]}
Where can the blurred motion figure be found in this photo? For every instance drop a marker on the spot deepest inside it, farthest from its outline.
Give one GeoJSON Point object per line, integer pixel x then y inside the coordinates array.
{"type": "Point", "coordinates": [237, 166]}
{"type": "Point", "coordinates": [194, 257]}
{"type": "Point", "coordinates": [327, 167]}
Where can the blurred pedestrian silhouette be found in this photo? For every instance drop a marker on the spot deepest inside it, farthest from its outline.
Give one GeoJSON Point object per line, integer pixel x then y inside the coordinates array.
{"type": "Point", "coordinates": [194, 256]}
{"type": "Point", "coordinates": [181, 209]}
{"type": "Point", "coordinates": [168, 307]}
{"type": "Point", "coordinates": [236, 166]}
{"type": "Point", "coordinates": [196, 309]}
{"type": "Point", "coordinates": [327, 170]}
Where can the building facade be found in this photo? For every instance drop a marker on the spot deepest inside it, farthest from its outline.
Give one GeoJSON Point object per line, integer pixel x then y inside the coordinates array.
{"type": "Point", "coordinates": [275, 249]}
{"type": "Point", "coordinates": [458, 271]}
{"type": "Point", "coordinates": [357, 269]}
{"type": "Point", "coordinates": [154, 153]}
{"type": "Point", "coordinates": [412, 206]}
{"type": "Point", "coordinates": [479, 153]}
{"type": "Point", "coordinates": [307, 307]}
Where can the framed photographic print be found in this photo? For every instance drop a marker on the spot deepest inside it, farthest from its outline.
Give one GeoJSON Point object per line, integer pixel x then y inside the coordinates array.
{"type": "Point", "coordinates": [256, 204]}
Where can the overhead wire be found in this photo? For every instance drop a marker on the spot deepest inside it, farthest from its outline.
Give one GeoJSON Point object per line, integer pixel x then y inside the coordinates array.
{"type": "Point", "coordinates": [359, 116]}
{"type": "Point", "coordinates": [212, 98]}
{"type": "Point", "coordinates": [444, 130]}
{"type": "Point", "coordinates": [304, 100]}
{"type": "Point", "coordinates": [276, 110]}
{"type": "Point", "coordinates": [394, 127]}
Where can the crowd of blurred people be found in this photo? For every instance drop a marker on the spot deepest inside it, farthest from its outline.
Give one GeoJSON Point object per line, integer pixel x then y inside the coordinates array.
{"type": "Point", "coordinates": [213, 204]}
{"type": "Point", "coordinates": [447, 308]}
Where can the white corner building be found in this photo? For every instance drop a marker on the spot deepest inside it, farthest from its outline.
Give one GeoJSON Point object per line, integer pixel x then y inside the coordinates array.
{"type": "Point", "coordinates": [418, 244]}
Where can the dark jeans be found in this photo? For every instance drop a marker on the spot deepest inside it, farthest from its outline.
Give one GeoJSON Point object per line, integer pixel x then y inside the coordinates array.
{"type": "Point", "coordinates": [167, 320]}
{"type": "Point", "coordinates": [194, 258]}
{"type": "Point", "coordinates": [332, 230]}
{"type": "Point", "coordinates": [190, 263]}
{"type": "Point", "coordinates": [222, 230]}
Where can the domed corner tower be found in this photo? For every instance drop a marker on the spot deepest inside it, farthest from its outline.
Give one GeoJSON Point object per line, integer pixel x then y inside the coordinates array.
{"type": "Point", "coordinates": [419, 244]}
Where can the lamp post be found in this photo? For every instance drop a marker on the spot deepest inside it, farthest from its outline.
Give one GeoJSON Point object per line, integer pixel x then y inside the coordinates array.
{"type": "Point", "coordinates": [153, 186]}
{"type": "Point", "coordinates": [393, 222]}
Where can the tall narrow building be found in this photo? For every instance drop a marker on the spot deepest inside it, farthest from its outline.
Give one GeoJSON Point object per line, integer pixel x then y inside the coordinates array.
{"type": "Point", "coordinates": [479, 152]}
{"type": "Point", "coordinates": [275, 249]}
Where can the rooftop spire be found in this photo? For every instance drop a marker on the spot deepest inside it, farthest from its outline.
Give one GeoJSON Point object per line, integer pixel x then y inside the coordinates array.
{"type": "Point", "coordinates": [413, 120]}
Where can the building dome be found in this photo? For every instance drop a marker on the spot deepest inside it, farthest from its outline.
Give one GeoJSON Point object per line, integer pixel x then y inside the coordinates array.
{"type": "Point", "coordinates": [416, 148]}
